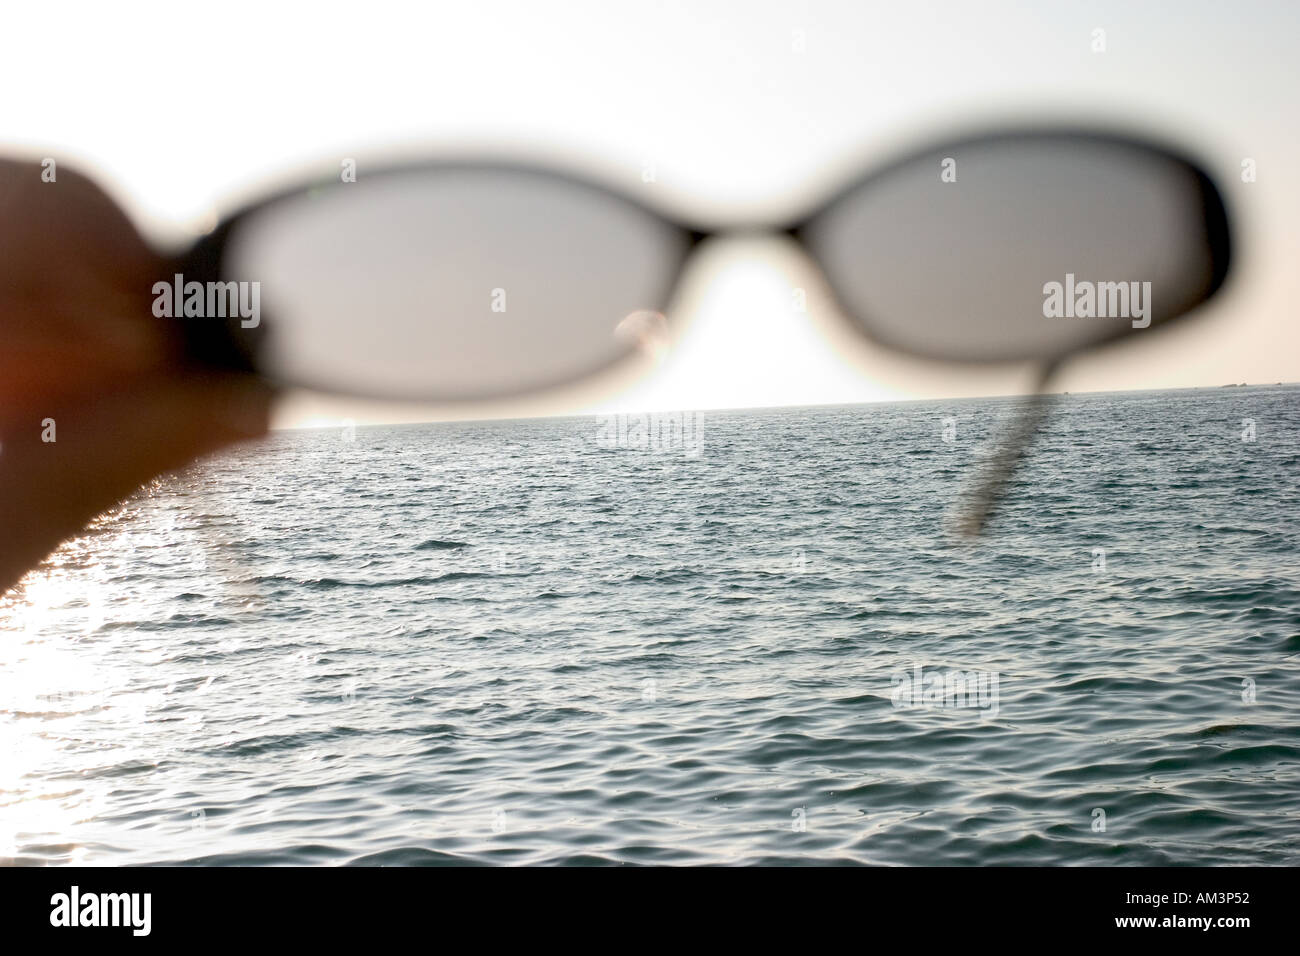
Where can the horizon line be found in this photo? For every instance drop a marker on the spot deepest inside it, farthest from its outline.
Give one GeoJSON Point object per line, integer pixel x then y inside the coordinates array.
{"type": "Point", "coordinates": [747, 408]}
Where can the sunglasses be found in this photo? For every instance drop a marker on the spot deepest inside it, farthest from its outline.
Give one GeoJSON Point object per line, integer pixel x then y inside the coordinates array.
{"type": "Point", "coordinates": [459, 280]}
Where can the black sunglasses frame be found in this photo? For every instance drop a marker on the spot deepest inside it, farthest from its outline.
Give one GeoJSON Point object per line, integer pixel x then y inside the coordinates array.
{"type": "Point", "coordinates": [229, 347]}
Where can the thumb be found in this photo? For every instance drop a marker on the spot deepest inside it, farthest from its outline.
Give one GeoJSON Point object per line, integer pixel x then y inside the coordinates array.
{"type": "Point", "coordinates": [105, 446]}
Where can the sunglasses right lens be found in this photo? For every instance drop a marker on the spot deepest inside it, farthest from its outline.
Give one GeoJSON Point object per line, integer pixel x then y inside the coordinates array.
{"type": "Point", "coordinates": [1021, 247]}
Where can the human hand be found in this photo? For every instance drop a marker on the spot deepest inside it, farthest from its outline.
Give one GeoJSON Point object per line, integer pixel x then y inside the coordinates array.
{"type": "Point", "coordinates": [84, 361]}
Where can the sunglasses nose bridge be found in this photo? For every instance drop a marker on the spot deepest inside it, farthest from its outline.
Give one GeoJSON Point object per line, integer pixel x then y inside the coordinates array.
{"type": "Point", "coordinates": [755, 237]}
{"type": "Point", "coordinates": [785, 249]}
{"type": "Point", "coordinates": [776, 251]}
{"type": "Point", "coordinates": [703, 245]}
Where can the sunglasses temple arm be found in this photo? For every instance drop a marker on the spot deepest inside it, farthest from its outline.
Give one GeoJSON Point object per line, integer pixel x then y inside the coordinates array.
{"type": "Point", "coordinates": [990, 486]}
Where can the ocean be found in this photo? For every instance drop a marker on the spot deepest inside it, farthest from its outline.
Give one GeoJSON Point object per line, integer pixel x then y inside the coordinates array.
{"type": "Point", "coordinates": [739, 637]}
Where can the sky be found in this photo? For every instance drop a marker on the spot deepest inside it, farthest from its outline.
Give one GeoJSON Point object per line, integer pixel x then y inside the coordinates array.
{"type": "Point", "coordinates": [746, 110]}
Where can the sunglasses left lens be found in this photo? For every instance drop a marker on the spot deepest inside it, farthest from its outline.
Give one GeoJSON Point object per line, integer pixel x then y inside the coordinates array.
{"type": "Point", "coordinates": [452, 283]}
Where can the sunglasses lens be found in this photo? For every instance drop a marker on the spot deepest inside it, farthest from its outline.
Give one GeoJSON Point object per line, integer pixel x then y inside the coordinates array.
{"type": "Point", "coordinates": [461, 282]}
{"type": "Point", "coordinates": [1022, 247]}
